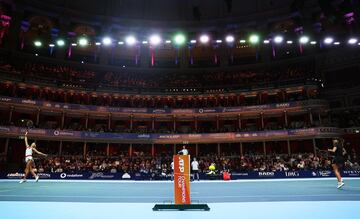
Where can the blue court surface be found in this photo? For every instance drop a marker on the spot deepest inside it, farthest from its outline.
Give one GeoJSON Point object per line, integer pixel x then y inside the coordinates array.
{"type": "Point", "coordinates": [289, 198]}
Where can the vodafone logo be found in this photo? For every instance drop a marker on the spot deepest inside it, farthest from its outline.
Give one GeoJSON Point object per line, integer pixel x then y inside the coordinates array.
{"type": "Point", "coordinates": [56, 132]}
{"type": "Point", "coordinates": [63, 175]}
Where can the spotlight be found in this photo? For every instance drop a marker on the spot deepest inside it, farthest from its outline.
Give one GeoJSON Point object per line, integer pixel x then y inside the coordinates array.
{"type": "Point", "coordinates": [130, 40]}
{"type": "Point", "coordinates": [121, 43]}
{"type": "Point", "coordinates": [266, 41]}
{"type": "Point", "coordinates": [60, 42]}
{"type": "Point", "coordinates": [83, 42]}
{"type": "Point", "coordinates": [242, 41]}
{"type": "Point", "coordinates": [38, 43]}
{"type": "Point", "coordinates": [168, 41]}
{"type": "Point", "coordinates": [51, 45]}
{"type": "Point", "coordinates": [278, 39]}
{"type": "Point", "coordinates": [179, 39]}
{"type": "Point", "coordinates": [204, 39]}
{"type": "Point", "coordinates": [230, 39]}
{"type": "Point", "coordinates": [254, 39]}
{"type": "Point", "coordinates": [289, 42]}
{"type": "Point", "coordinates": [328, 40]}
{"type": "Point", "coordinates": [352, 41]}
{"type": "Point", "coordinates": [106, 41]}
{"type": "Point", "coordinates": [313, 42]}
{"type": "Point", "coordinates": [155, 40]}
{"type": "Point", "coordinates": [193, 41]}
{"type": "Point", "coordinates": [337, 43]}
{"type": "Point", "coordinates": [73, 44]}
{"type": "Point", "coordinates": [98, 43]}
{"type": "Point", "coordinates": [304, 40]}
{"type": "Point", "coordinates": [218, 41]}
{"type": "Point", "coordinates": [144, 42]}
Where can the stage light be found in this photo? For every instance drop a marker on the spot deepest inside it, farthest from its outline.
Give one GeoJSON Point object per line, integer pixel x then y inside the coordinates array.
{"type": "Point", "coordinates": [60, 42]}
{"type": "Point", "coordinates": [193, 41]}
{"type": "Point", "coordinates": [73, 44]}
{"type": "Point", "coordinates": [254, 39]}
{"type": "Point", "coordinates": [328, 40]}
{"type": "Point", "coordinates": [230, 39]}
{"type": "Point", "coordinates": [289, 42]}
{"type": "Point", "coordinates": [130, 40]}
{"type": "Point", "coordinates": [167, 41]}
{"type": "Point", "coordinates": [107, 41]}
{"type": "Point", "coordinates": [352, 41]}
{"type": "Point", "coordinates": [278, 39]}
{"type": "Point", "coordinates": [204, 39]}
{"type": "Point", "coordinates": [83, 42]}
{"type": "Point", "coordinates": [38, 43]}
{"type": "Point", "coordinates": [218, 41]}
{"type": "Point", "coordinates": [121, 43]}
{"type": "Point", "coordinates": [266, 41]}
{"type": "Point", "coordinates": [179, 39]}
{"type": "Point", "coordinates": [51, 45]}
{"type": "Point", "coordinates": [98, 43]}
{"type": "Point", "coordinates": [313, 42]}
{"type": "Point", "coordinates": [242, 41]}
{"type": "Point", "coordinates": [144, 42]}
{"type": "Point", "coordinates": [337, 43]}
{"type": "Point", "coordinates": [304, 40]}
{"type": "Point", "coordinates": [155, 40]}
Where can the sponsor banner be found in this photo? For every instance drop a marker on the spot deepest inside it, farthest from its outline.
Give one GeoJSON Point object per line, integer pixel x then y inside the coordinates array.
{"type": "Point", "coordinates": [161, 111]}
{"type": "Point", "coordinates": [182, 179]}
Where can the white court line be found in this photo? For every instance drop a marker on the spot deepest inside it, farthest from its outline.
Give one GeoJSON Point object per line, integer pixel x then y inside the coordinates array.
{"type": "Point", "coordinates": [170, 197]}
{"type": "Point", "coordinates": [205, 181]}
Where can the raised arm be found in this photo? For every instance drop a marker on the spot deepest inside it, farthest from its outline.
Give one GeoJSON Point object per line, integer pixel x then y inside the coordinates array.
{"type": "Point", "coordinates": [26, 140]}
{"type": "Point", "coordinates": [38, 152]}
{"type": "Point", "coordinates": [333, 149]}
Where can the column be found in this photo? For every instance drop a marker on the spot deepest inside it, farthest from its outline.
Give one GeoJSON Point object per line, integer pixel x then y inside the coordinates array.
{"type": "Point", "coordinates": [262, 120]}
{"type": "Point", "coordinates": [174, 123]}
{"type": "Point", "coordinates": [84, 150]}
{"type": "Point", "coordinates": [130, 150]}
{"type": "Point", "coordinates": [288, 147]}
{"type": "Point", "coordinates": [60, 148]}
{"type": "Point", "coordinates": [197, 150]}
{"type": "Point", "coordinates": [11, 113]}
{"type": "Point", "coordinates": [153, 123]}
{"type": "Point", "coordinates": [62, 120]}
{"type": "Point", "coordinates": [6, 147]}
{"type": "Point", "coordinates": [109, 122]}
{"type": "Point", "coordinates": [264, 147]}
{"type": "Point", "coordinates": [37, 117]}
{"type": "Point", "coordinates": [152, 150]}
{"type": "Point", "coordinates": [320, 121]}
{"type": "Point", "coordinates": [108, 149]}
{"type": "Point", "coordinates": [310, 116]}
{"type": "Point", "coordinates": [241, 149]}
{"type": "Point", "coordinates": [196, 123]}
{"type": "Point", "coordinates": [131, 122]}
{"type": "Point", "coordinates": [174, 149]}
{"type": "Point", "coordinates": [218, 149]}
{"type": "Point", "coordinates": [239, 121]}
{"type": "Point", "coordinates": [87, 121]}
{"type": "Point", "coordinates": [286, 118]}
{"type": "Point", "coordinates": [217, 123]}
{"type": "Point", "coordinates": [314, 146]}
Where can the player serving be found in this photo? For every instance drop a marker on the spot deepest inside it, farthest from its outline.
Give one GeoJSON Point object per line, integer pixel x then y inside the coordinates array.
{"type": "Point", "coordinates": [29, 160]}
{"type": "Point", "coordinates": [338, 161]}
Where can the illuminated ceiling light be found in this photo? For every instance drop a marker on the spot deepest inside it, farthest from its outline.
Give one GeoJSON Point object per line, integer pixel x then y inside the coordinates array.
{"type": "Point", "coordinates": [37, 43]}
{"type": "Point", "coordinates": [289, 42]}
{"type": "Point", "coordinates": [73, 44]}
{"type": "Point", "coordinates": [218, 41]}
{"type": "Point", "coordinates": [304, 40]}
{"type": "Point", "coordinates": [266, 41]}
{"type": "Point", "coordinates": [242, 41]}
{"type": "Point", "coordinates": [192, 41]}
{"type": "Point", "coordinates": [51, 45]}
{"type": "Point", "coordinates": [83, 42]}
{"type": "Point", "coordinates": [352, 41]}
{"type": "Point", "coordinates": [107, 41]}
{"type": "Point", "coordinates": [230, 39]}
{"type": "Point", "coordinates": [254, 39]}
{"type": "Point", "coordinates": [144, 42]}
{"type": "Point", "coordinates": [60, 42]}
{"type": "Point", "coordinates": [204, 39]}
{"type": "Point", "coordinates": [98, 43]}
{"type": "Point", "coordinates": [121, 43]}
{"type": "Point", "coordinates": [313, 42]}
{"type": "Point", "coordinates": [278, 39]}
{"type": "Point", "coordinates": [337, 43]}
{"type": "Point", "coordinates": [168, 41]}
{"type": "Point", "coordinates": [179, 39]}
{"type": "Point", "coordinates": [155, 40]}
{"type": "Point", "coordinates": [130, 40]}
{"type": "Point", "coordinates": [328, 40]}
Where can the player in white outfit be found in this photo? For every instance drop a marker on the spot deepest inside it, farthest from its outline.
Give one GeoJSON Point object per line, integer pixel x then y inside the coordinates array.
{"type": "Point", "coordinates": [29, 160]}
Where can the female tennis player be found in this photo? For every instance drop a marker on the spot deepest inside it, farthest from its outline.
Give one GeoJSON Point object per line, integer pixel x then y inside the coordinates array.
{"type": "Point", "coordinates": [338, 160]}
{"type": "Point", "coordinates": [29, 159]}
